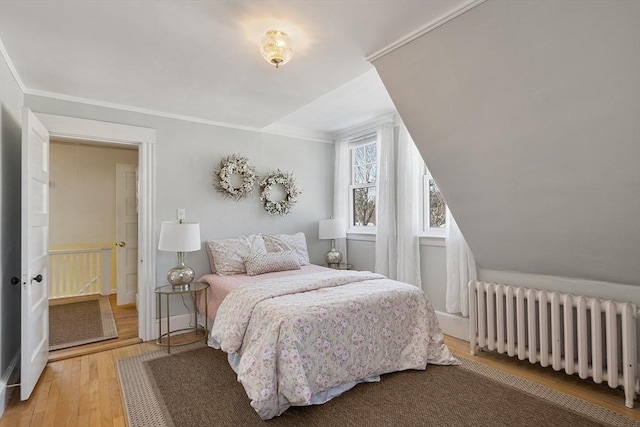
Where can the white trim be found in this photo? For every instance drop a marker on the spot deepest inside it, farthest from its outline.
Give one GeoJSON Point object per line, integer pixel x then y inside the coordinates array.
{"type": "Point", "coordinates": [144, 138]}
{"type": "Point", "coordinates": [289, 131]}
{"type": "Point", "coordinates": [74, 128]}
{"type": "Point", "coordinates": [178, 321]}
{"type": "Point", "coordinates": [12, 68]}
{"type": "Point", "coordinates": [438, 241]}
{"type": "Point", "coordinates": [367, 127]}
{"type": "Point", "coordinates": [362, 237]}
{"type": "Point", "coordinates": [4, 380]}
{"type": "Point", "coordinates": [453, 325]}
{"type": "Point", "coordinates": [430, 26]}
{"type": "Point", "coordinates": [300, 133]}
{"type": "Point", "coordinates": [433, 241]}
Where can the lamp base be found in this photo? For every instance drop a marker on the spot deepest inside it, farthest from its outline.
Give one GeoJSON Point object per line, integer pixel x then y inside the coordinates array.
{"type": "Point", "coordinates": [333, 258]}
{"type": "Point", "coordinates": [180, 275]}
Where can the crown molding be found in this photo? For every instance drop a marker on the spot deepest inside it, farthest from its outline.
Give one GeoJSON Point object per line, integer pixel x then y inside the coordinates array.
{"type": "Point", "coordinates": [300, 133]}
{"type": "Point", "coordinates": [290, 132]}
{"type": "Point", "coordinates": [430, 26]}
{"type": "Point", "coordinates": [12, 68]}
{"type": "Point", "coordinates": [367, 127]}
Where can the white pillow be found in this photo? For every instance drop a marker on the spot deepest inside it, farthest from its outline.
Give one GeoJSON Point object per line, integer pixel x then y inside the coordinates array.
{"type": "Point", "coordinates": [228, 254]}
{"type": "Point", "coordinates": [270, 262]}
{"type": "Point", "coordinates": [288, 242]}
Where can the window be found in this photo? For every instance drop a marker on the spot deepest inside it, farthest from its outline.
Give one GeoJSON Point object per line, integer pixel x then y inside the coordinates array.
{"type": "Point", "coordinates": [434, 207]}
{"type": "Point", "coordinates": [362, 191]}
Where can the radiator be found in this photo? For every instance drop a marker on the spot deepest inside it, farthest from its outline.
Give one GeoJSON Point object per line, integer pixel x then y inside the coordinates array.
{"type": "Point", "coordinates": [590, 337]}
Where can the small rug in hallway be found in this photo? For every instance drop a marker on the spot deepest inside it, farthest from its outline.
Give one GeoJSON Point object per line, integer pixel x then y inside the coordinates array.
{"type": "Point", "coordinates": [82, 322]}
{"type": "Point", "coordinates": [195, 386]}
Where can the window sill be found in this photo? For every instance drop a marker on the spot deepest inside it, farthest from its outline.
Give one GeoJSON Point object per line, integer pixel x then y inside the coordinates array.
{"type": "Point", "coordinates": [362, 236]}
{"type": "Point", "coordinates": [432, 240]}
{"type": "Point", "coordinates": [425, 240]}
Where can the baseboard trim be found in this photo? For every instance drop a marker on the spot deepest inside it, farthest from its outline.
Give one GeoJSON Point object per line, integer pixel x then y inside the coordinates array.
{"type": "Point", "coordinates": [179, 321]}
{"type": "Point", "coordinates": [455, 326]}
{"type": "Point", "coordinates": [5, 379]}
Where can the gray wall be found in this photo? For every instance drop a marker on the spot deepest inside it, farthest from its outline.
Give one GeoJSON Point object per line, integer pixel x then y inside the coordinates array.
{"type": "Point", "coordinates": [527, 114]}
{"type": "Point", "coordinates": [11, 102]}
{"type": "Point", "coordinates": [186, 156]}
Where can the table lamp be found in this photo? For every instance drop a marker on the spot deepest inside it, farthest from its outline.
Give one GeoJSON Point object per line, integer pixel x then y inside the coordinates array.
{"type": "Point", "coordinates": [180, 237]}
{"type": "Point", "coordinates": [332, 229]}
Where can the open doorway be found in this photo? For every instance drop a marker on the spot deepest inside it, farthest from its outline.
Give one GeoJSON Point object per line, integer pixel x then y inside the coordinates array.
{"type": "Point", "coordinates": [93, 235]}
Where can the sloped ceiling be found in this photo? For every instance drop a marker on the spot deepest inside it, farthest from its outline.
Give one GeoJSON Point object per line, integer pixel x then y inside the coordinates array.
{"type": "Point", "coordinates": [528, 115]}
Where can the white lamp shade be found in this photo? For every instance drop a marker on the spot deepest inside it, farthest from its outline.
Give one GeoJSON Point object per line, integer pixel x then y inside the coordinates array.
{"type": "Point", "coordinates": [332, 229]}
{"type": "Point", "coordinates": [179, 237]}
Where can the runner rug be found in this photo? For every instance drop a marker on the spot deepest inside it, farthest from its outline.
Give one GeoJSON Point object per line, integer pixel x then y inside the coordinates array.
{"type": "Point", "coordinates": [82, 322]}
{"type": "Point", "coordinates": [195, 386]}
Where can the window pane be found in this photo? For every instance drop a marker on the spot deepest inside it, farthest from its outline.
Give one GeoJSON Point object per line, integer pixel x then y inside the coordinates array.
{"type": "Point", "coordinates": [364, 207]}
{"type": "Point", "coordinates": [364, 164]}
{"type": "Point", "coordinates": [437, 206]}
{"type": "Point", "coordinates": [370, 152]}
{"type": "Point", "coordinates": [359, 157]}
{"type": "Point", "coordinates": [365, 174]}
{"type": "Point", "coordinates": [373, 172]}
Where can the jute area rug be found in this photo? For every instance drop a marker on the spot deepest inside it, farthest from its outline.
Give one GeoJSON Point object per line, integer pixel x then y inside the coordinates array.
{"type": "Point", "coordinates": [80, 322]}
{"type": "Point", "coordinates": [196, 387]}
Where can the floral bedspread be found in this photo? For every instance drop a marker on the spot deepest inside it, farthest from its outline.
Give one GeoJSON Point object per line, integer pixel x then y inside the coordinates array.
{"type": "Point", "coordinates": [301, 335]}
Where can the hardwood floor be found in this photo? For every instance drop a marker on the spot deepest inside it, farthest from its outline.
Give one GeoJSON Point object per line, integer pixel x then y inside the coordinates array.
{"type": "Point", "coordinates": [84, 390]}
{"type": "Point", "coordinates": [126, 317]}
{"type": "Point", "coordinates": [598, 394]}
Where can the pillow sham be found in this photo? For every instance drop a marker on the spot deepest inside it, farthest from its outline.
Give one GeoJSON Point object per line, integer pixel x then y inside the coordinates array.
{"type": "Point", "coordinates": [227, 255]}
{"type": "Point", "coordinates": [270, 262]}
{"type": "Point", "coordinates": [288, 242]}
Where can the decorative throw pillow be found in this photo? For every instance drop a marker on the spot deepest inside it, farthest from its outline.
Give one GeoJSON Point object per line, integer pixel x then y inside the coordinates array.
{"type": "Point", "coordinates": [212, 264]}
{"type": "Point", "coordinates": [288, 242]}
{"type": "Point", "coordinates": [228, 254]}
{"type": "Point", "coordinates": [270, 262]}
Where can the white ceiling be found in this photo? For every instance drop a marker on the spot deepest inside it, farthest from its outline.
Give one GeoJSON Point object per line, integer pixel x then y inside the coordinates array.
{"type": "Point", "coordinates": [200, 59]}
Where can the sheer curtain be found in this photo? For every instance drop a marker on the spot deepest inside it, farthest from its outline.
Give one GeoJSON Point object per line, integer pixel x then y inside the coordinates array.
{"type": "Point", "coordinates": [398, 220]}
{"type": "Point", "coordinates": [341, 190]}
{"type": "Point", "coordinates": [386, 255]}
{"type": "Point", "coordinates": [461, 267]}
{"type": "Point", "coordinates": [410, 172]}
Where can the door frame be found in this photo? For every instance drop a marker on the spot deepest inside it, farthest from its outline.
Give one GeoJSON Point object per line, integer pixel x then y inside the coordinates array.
{"type": "Point", "coordinates": [145, 139]}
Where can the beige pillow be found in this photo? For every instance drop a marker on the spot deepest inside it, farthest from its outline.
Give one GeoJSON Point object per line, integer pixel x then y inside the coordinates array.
{"type": "Point", "coordinates": [227, 255]}
{"type": "Point", "coordinates": [270, 262]}
{"type": "Point", "coordinates": [288, 242]}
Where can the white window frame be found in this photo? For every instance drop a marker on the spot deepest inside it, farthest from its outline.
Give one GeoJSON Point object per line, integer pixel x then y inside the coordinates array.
{"type": "Point", "coordinates": [364, 140]}
{"type": "Point", "coordinates": [427, 230]}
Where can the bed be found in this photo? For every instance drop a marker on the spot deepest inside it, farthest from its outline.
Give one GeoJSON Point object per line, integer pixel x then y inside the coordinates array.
{"type": "Point", "coordinates": [303, 335]}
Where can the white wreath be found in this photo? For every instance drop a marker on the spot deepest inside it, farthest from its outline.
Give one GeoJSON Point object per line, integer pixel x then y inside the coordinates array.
{"type": "Point", "coordinates": [281, 207]}
{"type": "Point", "coordinates": [232, 165]}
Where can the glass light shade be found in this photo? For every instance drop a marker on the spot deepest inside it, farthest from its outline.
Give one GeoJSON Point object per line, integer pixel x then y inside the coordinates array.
{"type": "Point", "coordinates": [331, 229]}
{"type": "Point", "coordinates": [179, 237]}
{"type": "Point", "coordinates": [276, 48]}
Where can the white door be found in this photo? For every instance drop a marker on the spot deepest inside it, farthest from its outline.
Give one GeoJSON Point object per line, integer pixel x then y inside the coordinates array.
{"type": "Point", "coordinates": [35, 236]}
{"type": "Point", "coordinates": [127, 232]}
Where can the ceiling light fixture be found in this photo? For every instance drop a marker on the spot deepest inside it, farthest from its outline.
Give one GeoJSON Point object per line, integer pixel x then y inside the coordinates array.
{"type": "Point", "coordinates": [275, 47]}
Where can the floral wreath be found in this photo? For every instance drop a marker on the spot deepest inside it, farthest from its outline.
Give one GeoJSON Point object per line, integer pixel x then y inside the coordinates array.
{"type": "Point", "coordinates": [281, 207]}
{"type": "Point", "coordinates": [229, 166]}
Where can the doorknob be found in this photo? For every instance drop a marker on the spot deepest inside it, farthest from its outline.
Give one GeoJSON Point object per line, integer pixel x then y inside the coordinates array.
{"type": "Point", "coordinates": [38, 278]}
{"type": "Point", "coordinates": [121, 244]}
{"type": "Point", "coordinates": [15, 280]}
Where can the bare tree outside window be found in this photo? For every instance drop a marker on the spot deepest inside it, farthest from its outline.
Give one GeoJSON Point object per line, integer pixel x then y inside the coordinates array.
{"type": "Point", "coordinates": [365, 175]}
{"type": "Point", "coordinates": [437, 206]}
